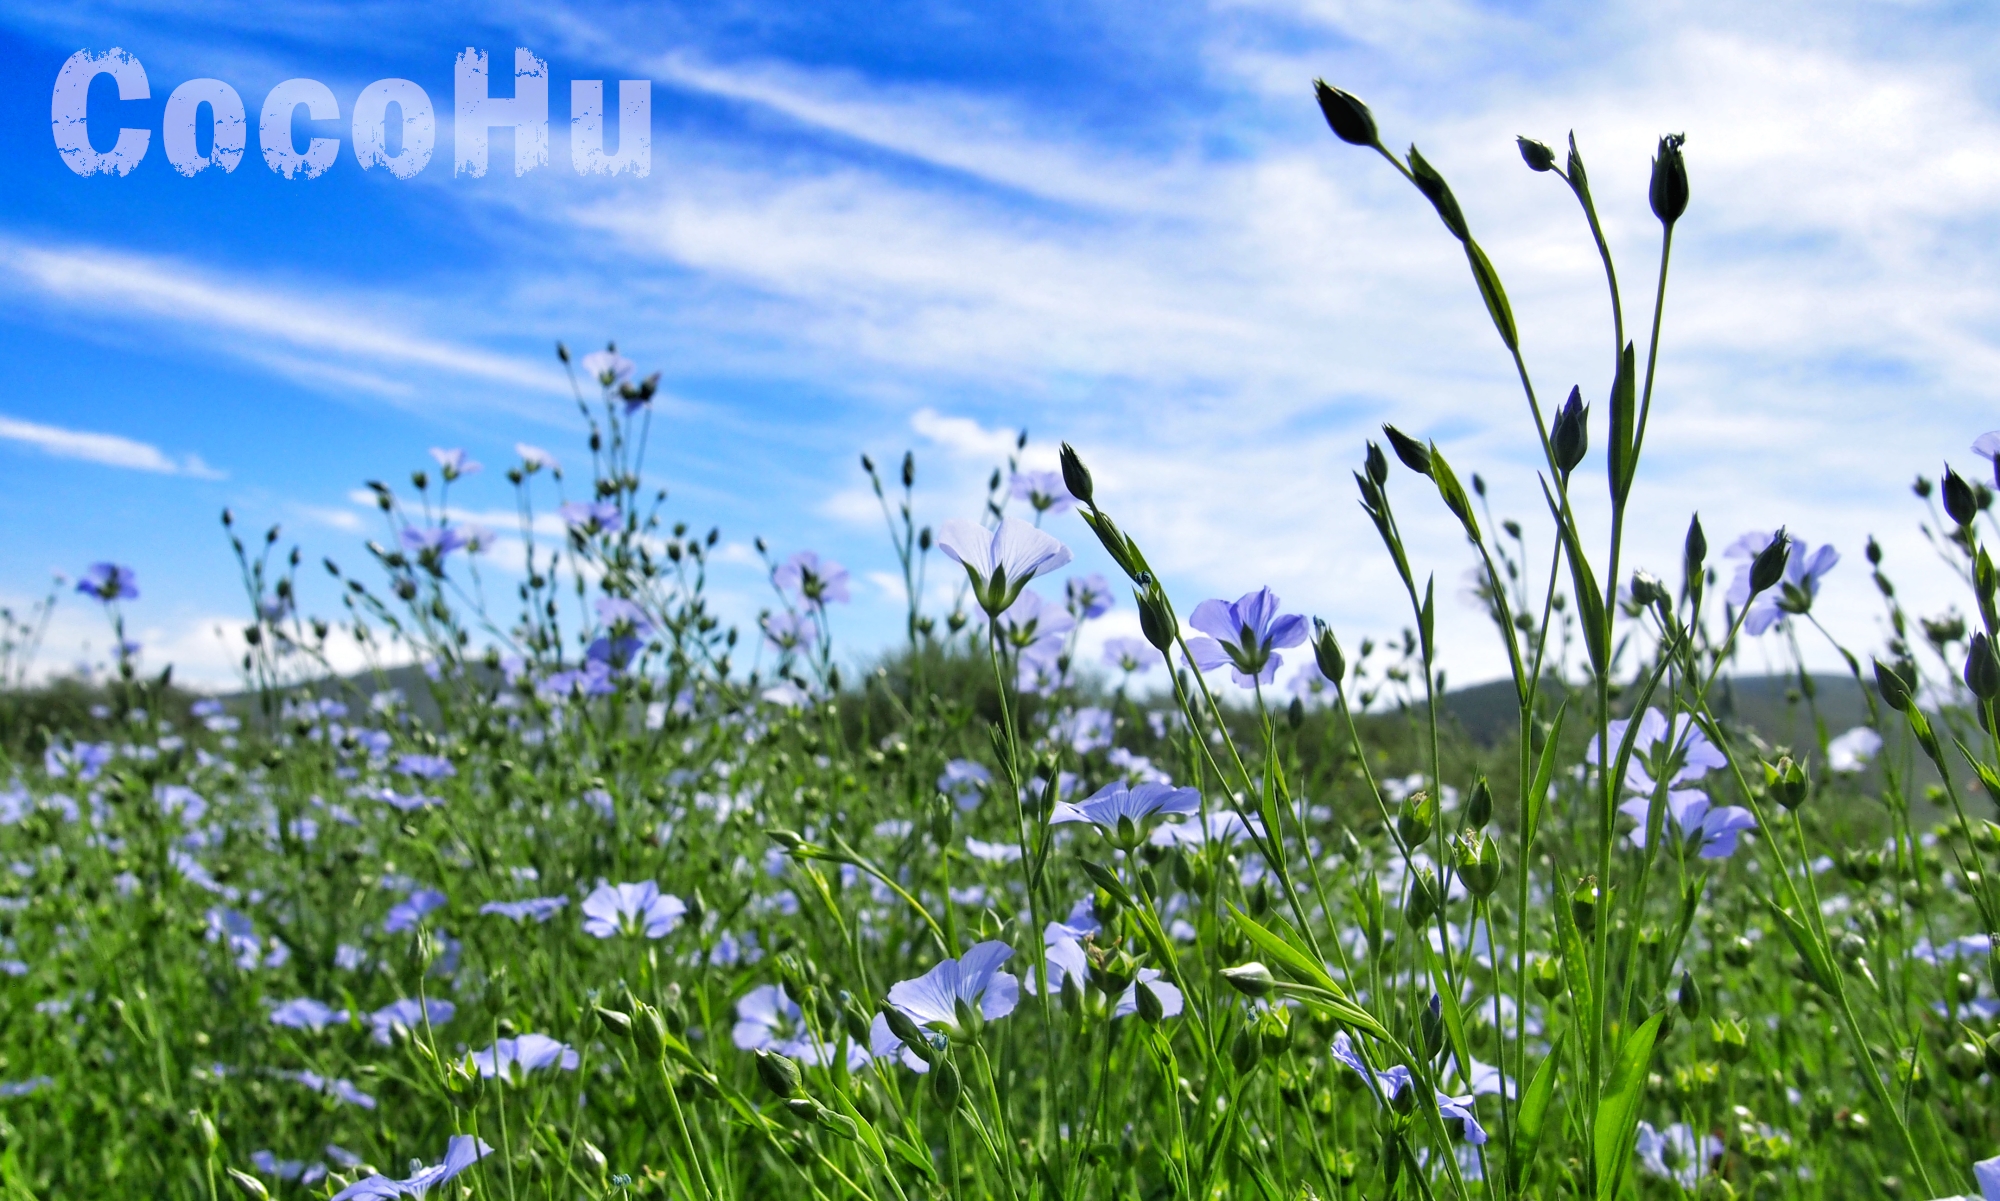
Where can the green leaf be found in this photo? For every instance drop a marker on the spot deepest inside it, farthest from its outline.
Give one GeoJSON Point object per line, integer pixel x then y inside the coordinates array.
{"type": "Point", "coordinates": [1805, 944]}
{"type": "Point", "coordinates": [1624, 419]}
{"type": "Point", "coordinates": [1104, 878]}
{"type": "Point", "coordinates": [1576, 967]}
{"type": "Point", "coordinates": [1453, 493]}
{"type": "Point", "coordinates": [1534, 1112]}
{"type": "Point", "coordinates": [1493, 294]}
{"type": "Point", "coordinates": [1538, 793]}
{"type": "Point", "coordinates": [1304, 968]}
{"type": "Point", "coordinates": [1454, 1017]}
{"type": "Point", "coordinates": [1618, 1108]}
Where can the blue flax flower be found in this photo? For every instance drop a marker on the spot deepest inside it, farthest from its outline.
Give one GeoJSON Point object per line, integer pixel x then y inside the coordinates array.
{"type": "Point", "coordinates": [1244, 636]}
{"type": "Point", "coordinates": [812, 579]}
{"type": "Point", "coordinates": [1130, 654]}
{"type": "Point", "coordinates": [1043, 490]}
{"type": "Point", "coordinates": [1000, 561]}
{"type": "Point", "coordinates": [305, 1013]}
{"type": "Point", "coordinates": [405, 1016]}
{"type": "Point", "coordinates": [109, 582]}
{"type": "Point", "coordinates": [946, 997]}
{"type": "Point", "coordinates": [530, 1052]}
{"type": "Point", "coordinates": [1087, 596]}
{"type": "Point", "coordinates": [541, 909]}
{"type": "Point", "coordinates": [459, 1154]}
{"type": "Point", "coordinates": [641, 908]}
{"type": "Point", "coordinates": [965, 781]}
{"type": "Point", "coordinates": [1794, 591]}
{"type": "Point", "coordinates": [1391, 1081]}
{"type": "Point", "coordinates": [404, 915]}
{"type": "Point", "coordinates": [590, 516]}
{"type": "Point", "coordinates": [1121, 810]}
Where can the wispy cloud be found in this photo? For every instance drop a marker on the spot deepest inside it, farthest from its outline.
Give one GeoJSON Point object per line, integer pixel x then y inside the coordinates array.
{"type": "Point", "coordinates": [110, 450]}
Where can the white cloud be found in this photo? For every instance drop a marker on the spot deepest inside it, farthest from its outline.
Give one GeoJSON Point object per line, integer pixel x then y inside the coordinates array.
{"type": "Point", "coordinates": [109, 450]}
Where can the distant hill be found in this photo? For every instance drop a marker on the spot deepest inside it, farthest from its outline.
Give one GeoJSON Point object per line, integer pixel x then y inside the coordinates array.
{"type": "Point", "coordinates": [1769, 705]}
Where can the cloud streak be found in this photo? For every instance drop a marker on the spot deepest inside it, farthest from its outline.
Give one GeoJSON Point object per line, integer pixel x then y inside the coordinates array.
{"type": "Point", "coordinates": [109, 450]}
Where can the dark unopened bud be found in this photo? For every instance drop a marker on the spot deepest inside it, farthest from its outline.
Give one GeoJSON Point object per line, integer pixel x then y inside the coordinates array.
{"type": "Point", "coordinates": [1536, 154]}
{"type": "Point", "coordinates": [905, 1028]}
{"type": "Point", "coordinates": [1326, 653]}
{"type": "Point", "coordinates": [1670, 180]}
{"type": "Point", "coordinates": [1479, 805]}
{"type": "Point", "coordinates": [562, 352]}
{"type": "Point", "coordinates": [1769, 565]}
{"type": "Point", "coordinates": [909, 469]}
{"type": "Point", "coordinates": [778, 1073]}
{"type": "Point", "coordinates": [1646, 589]}
{"type": "Point", "coordinates": [649, 1032]}
{"type": "Point", "coordinates": [615, 1022]}
{"type": "Point", "coordinates": [1349, 119]}
{"type": "Point", "coordinates": [1694, 551]}
{"type": "Point", "coordinates": [1433, 1027]}
{"type": "Point", "coordinates": [1959, 502]}
{"type": "Point", "coordinates": [1151, 1011]}
{"type": "Point", "coordinates": [1250, 979]}
{"type": "Point", "coordinates": [1154, 621]}
{"type": "Point", "coordinates": [1690, 996]}
{"type": "Point", "coordinates": [1569, 439]}
{"type": "Point", "coordinates": [1378, 465]}
{"type": "Point", "coordinates": [252, 1187]}
{"type": "Point", "coordinates": [1076, 477]}
{"type": "Point", "coordinates": [1246, 1049]}
{"type": "Point", "coordinates": [1894, 686]}
{"type": "Point", "coordinates": [867, 464]}
{"type": "Point", "coordinates": [1982, 668]}
{"type": "Point", "coordinates": [1415, 455]}
{"type": "Point", "coordinates": [1787, 783]}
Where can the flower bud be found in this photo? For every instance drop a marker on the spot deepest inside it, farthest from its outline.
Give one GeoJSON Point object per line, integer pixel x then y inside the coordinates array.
{"type": "Point", "coordinates": [1583, 901]}
{"type": "Point", "coordinates": [1959, 503]}
{"type": "Point", "coordinates": [945, 1085]}
{"type": "Point", "coordinates": [1690, 996]}
{"type": "Point", "coordinates": [1670, 180]}
{"type": "Point", "coordinates": [1694, 550]}
{"type": "Point", "coordinates": [1536, 154]}
{"type": "Point", "coordinates": [1246, 1049]}
{"type": "Point", "coordinates": [1787, 783]}
{"type": "Point", "coordinates": [1432, 1027]}
{"type": "Point", "coordinates": [1155, 621]}
{"type": "Point", "coordinates": [1349, 119]}
{"type": "Point", "coordinates": [838, 1123]}
{"type": "Point", "coordinates": [1415, 455]}
{"type": "Point", "coordinates": [1546, 974]}
{"type": "Point", "coordinates": [1378, 465]}
{"type": "Point", "coordinates": [1732, 1039]}
{"type": "Point", "coordinates": [1326, 653]}
{"type": "Point", "coordinates": [1416, 818]}
{"type": "Point", "coordinates": [1425, 898]}
{"type": "Point", "coordinates": [778, 1073]}
{"type": "Point", "coordinates": [909, 469]}
{"type": "Point", "coordinates": [1965, 1061]}
{"type": "Point", "coordinates": [1569, 438]}
{"type": "Point", "coordinates": [1894, 686]}
{"type": "Point", "coordinates": [1151, 1011]}
{"type": "Point", "coordinates": [1982, 669]}
{"type": "Point", "coordinates": [1250, 979]}
{"type": "Point", "coordinates": [1769, 565]}
{"type": "Point", "coordinates": [252, 1187]}
{"type": "Point", "coordinates": [1076, 477]}
{"type": "Point", "coordinates": [1479, 806]}
{"type": "Point", "coordinates": [905, 1028]}
{"type": "Point", "coordinates": [649, 1032]}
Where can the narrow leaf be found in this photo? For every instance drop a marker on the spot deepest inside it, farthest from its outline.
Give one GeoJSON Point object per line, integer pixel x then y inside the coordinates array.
{"type": "Point", "coordinates": [1493, 294]}
{"type": "Point", "coordinates": [1534, 1112]}
{"type": "Point", "coordinates": [1538, 793]}
{"type": "Point", "coordinates": [1618, 1108]}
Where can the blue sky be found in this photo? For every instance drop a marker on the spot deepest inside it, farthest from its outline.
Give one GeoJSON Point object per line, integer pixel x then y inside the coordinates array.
{"type": "Point", "coordinates": [879, 226]}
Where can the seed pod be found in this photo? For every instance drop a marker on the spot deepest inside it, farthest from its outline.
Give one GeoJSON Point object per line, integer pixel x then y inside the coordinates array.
{"type": "Point", "coordinates": [1477, 861]}
{"type": "Point", "coordinates": [1547, 976]}
{"type": "Point", "coordinates": [1416, 818]}
{"type": "Point", "coordinates": [1583, 904]}
{"type": "Point", "coordinates": [1787, 783]}
{"type": "Point", "coordinates": [1732, 1039]}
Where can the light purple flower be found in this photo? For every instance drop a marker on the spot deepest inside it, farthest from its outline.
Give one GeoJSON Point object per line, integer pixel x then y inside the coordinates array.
{"type": "Point", "coordinates": [437, 540]}
{"type": "Point", "coordinates": [425, 767]}
{"type": "Point", "coordinates": [1130, 654]}
{"type": "Point", "coordinates": [306, 1174]}
{"type": "Point", "coordinates": [541, 909]}
{"type": "Point", "coordinates": [1087, 596]}
{"type": "Point", "coordinates": [1676, 1153]}
{"type": "Point", "coordinates": [1987, 1173]}
{"type": "Point", "coordinates": [1035, 628]}
{"type": "Point", "coordinates": [615, 611]}
{"type": "Point", "coordinates": [341, 1090]}
{"type": "Point", "coordinates": [305, 1013]}
{"type": "Point", "coordinates": [993, 852]}
{"type": "Point", "coordinates": [406, 1016]}
{"type": "Point", "coordinates": [767, 1019]}
{"type": "Point", "coordinates": [965, 781]}
{"type": "Point", "coordinates": [607, 367]}
{"type": "Point", "coordinates": [1851, 751]}
{"type": "Point", "coordinates": [1794, 591]}
{"type": "Point", "coordinates": [84, 760]}
{"type": "Point", "coordinates": [640, 908]}
{"type": "Point", "coordinates": [590, 516]}
{"type": "Point", "coordinates": [1085, 730]}
{"type": "Point", "coordinates": [1684, 749]}
{"type": "Point", "coordinates": [452, 462]}
{"type": "Point", "coordinates": [1714, 831]}
{"type": "Point", "coordinates": [1063, 943]}
{"type": "Point", "coordinates": [787, 632]}
{"type": "Point", "coordinates": [1000, 561]}
{"type": "Point", "coordinates": [531, 1051]}
{"type": "Point", "coordinates": [405, 914]}
{"type": "Point", "coordinates": [1043, 490]}
{"type": "Point", "coordinates": [1244, 636]}
{"type": "Point", "coordinates": [812, 579]}
{"type": "Point", "coordinates": [974, 981]}
{"type": "Point", "coordinates": [1117, 806]}
{"type": "Point", "coordinates": [109, 582]}
{"type": "Point", "coordinates": [460, 1153]}
{"type": "Point", "coordinates": [534, 458]}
